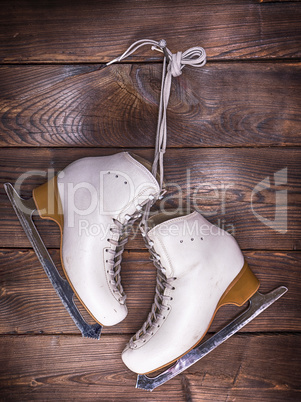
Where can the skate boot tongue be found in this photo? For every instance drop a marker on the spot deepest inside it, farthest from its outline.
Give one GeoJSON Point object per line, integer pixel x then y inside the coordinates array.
{"type": "Point", "coordinates": [158, 239]}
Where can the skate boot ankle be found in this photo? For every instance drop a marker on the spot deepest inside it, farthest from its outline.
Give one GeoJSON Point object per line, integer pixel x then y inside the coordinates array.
{"type": "Point", "coordinates": [199, 269]}
{"type": "Point", "coordinates": [93, 200]}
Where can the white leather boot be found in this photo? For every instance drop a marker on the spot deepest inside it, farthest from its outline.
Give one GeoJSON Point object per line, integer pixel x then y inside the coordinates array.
{"type": "Point", "coordinates": [200, 268]}
{"type": "Point", "coordinates": [93, 200]}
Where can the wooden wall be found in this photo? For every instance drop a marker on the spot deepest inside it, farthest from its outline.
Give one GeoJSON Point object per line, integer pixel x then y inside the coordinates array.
{"type": "Point", "coordinates": [231, 124]}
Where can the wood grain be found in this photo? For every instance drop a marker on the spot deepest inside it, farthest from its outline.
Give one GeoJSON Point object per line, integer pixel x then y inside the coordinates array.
{"type": "Point", "coordinates": [41, 368]}
{"type": "Point", "coordinates": [277, 1]}
{"type": "Point", "coordinates": [96, 31]}
{"type": "Point", "coordinates": [218, 105]}
{"type": "Point", "coordinates": [29, 304]}
{"type": "Point", "coordinates": [231, 125]}
{"type": "Point", "coordinates": [238, 219]}
{"type": "Point", "coordinates": [217, 182]}
{"type": "Point", "coordinates": [254, 371]}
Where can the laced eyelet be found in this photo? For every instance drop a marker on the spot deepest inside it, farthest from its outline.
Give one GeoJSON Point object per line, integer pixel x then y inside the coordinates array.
{"type": "Point", "coordinates": [159, 307]}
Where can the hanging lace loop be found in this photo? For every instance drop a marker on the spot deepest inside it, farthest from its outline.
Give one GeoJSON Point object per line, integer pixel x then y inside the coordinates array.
{"type": "Point", "coordinates": [195, 57]}
{"type": "Point", "coordinates": [172, 67]}
{"type": "Point", "coordinates": [137, 45]}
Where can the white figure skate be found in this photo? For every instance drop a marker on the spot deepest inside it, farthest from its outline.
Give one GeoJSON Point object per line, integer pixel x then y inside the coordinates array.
{"type": "Point", "coordinates": [200, 268]}
{"type": "Point", "coordinates": [93, 200]}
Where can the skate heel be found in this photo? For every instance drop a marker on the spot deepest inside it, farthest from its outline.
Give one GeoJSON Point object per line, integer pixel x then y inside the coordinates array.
{"type": "Point", "coordinates": [241, 289]}
{"type": "Point", "coordinates": [48, 203]}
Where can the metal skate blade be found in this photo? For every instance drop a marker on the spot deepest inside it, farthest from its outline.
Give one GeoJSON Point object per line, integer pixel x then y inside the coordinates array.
{"type": "Point", "coordinates": [24, 210]}
{"type": "Point", "coordinates": [257, 304]}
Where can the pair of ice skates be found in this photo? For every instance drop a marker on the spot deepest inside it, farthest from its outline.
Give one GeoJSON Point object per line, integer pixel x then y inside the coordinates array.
{"type": "Point", "coordinates": [199, 266]}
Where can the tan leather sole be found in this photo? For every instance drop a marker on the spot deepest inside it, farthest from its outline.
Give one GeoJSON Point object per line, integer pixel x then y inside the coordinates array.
{"type": "Point", "coordinates": [240, 290]}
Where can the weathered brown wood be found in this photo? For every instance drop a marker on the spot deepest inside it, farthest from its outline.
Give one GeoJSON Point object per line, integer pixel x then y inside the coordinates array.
{"type": "Point", "coordinates": [218, 182]}
{"type": "Point", "coordinates": [238, 219]}
{"type": "Point", "coordinates": [218, 105]}
{"type": "Point", "coordinates": [64, 366]}
{"type": "Point", "coordinates": [97, 31]}
{"type": "Point", "coordinates": [58, 105]}
{"type": "Point", "coordinates": [254, 370]}
{"type": "Point", "coordinates": [28, 303]}
{"type": "Point", "coordinates": [43, 368]}
{"type": "Point", "coordinates": [278, 1]}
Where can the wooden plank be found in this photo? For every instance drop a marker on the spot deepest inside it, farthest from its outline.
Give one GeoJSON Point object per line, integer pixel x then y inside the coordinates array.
{"type": "Point", "coordinates": [218, 105]}
{"type": "Point", "coordinates": [64, 366]}
{"type": "Point", "coordinates": [43, 368]}
{"type": "Point", "coordinates": [278, 1]}
{"type": "Point", "coordinates": [254, 369]}
{"type": "Point", "coordinates": [238, 219]}
{"type": "Point", "coordinates": [28, 303]}
{"type": "Point", "coordinates": [83, 32]}
{"type": "Point", "coordinates": [217, 182]}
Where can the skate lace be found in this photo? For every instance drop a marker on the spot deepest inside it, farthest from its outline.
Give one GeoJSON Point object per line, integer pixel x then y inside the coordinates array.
{"type": "Point", "coordinates": [160, 305]}
{"type": "Point", "coordinates": [123, 231]}
{"type": "Point", "coordinates": [172, 67]}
